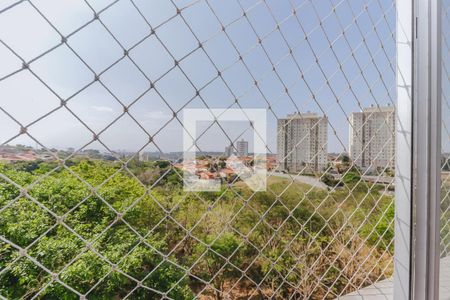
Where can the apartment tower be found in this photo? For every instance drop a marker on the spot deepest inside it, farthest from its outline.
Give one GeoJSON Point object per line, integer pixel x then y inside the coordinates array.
{"type": "Point", "coordinates": [242, 148]}
{"type": "Point", "coordinates": [302, 143]}
{"type": "Point", "coordinates": [372, 138]}
{"type": "Point", "coordinates": [228, 151]}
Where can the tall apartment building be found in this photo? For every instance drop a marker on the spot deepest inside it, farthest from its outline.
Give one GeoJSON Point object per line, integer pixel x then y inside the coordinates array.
{"type": "Point", "coordinates": [302, 142]}
{"type": "Point", "coordinates": [242, 148]}
{"type": "Point", "coordinates": [372, 137]}
{"type": "Point", "coordinates": [228, 151]}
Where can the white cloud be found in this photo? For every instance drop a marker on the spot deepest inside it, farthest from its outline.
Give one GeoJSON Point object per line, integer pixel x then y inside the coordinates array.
{"type": "Point", "coordinates": [102, 108]}
{"type": "Point", "coordinates": [157, 115]}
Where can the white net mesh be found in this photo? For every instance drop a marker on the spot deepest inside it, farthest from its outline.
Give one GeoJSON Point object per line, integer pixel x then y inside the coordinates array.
{"type": "Point", "coordinates": [445, 205]}
{"type": "Point", "coordinates": [81, 218]}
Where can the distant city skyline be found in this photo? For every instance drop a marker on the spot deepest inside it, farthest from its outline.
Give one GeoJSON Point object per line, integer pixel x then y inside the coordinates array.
{"type": "Point", "coordinates": [243, 145]}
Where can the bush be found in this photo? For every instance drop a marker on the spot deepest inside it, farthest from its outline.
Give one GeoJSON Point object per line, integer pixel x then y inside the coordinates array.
{"type": "Point", "coordinates": [351, 177]}
{"type": "Point", "coordinates": [238, 230]}
{"type": "Point", "coordinates": [329, 180]}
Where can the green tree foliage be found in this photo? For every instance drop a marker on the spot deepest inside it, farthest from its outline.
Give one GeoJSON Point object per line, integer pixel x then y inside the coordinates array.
{"type": "Point", "coordinates": [329, 180]}
{"type": "Point", "coordinates": [97, 223]}
{"type": "Point", "coordinates": [352, 176]}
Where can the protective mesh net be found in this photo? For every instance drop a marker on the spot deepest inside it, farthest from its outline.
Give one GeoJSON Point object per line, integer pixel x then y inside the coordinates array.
{"type": "Point", "coordinates": [80, 218]}
{"type": "Point", "coordinates": [445, 105]}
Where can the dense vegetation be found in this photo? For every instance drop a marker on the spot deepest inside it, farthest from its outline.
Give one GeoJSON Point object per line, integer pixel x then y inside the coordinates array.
{"type": "Point", "coordinates": [99, 227]}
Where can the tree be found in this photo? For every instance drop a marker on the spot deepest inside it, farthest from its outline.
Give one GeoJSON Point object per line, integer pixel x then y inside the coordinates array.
{"type": "Point", "coordinates": [329, 180]}
{"type": "Point", "coordinates": [270, 235]}
{"type": "Point", "coordinates": [352, 176]}
{"type": "Point", "coordinates": [215, 265]}
{"type": "Point", "coordinates": [24, 222]}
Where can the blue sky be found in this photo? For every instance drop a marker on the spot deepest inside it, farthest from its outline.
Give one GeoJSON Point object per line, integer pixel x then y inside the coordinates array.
{"type": "Point", "coordinates": [27, 99]}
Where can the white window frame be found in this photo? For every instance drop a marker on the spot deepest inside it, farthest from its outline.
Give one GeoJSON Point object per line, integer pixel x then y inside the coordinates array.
{"type": "Point", "coordinates": [417, 237]}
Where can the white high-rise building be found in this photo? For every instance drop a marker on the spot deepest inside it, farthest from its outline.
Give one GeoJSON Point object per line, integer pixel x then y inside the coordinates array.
{"type": "Point", "coordinates": [228, 151]}
{"type": "Point", "coordinates": [302, 142]}
{"type": "Point", "coordinates": [242, 148]}
{"type": "Point", "coordinates": [372, 138]}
